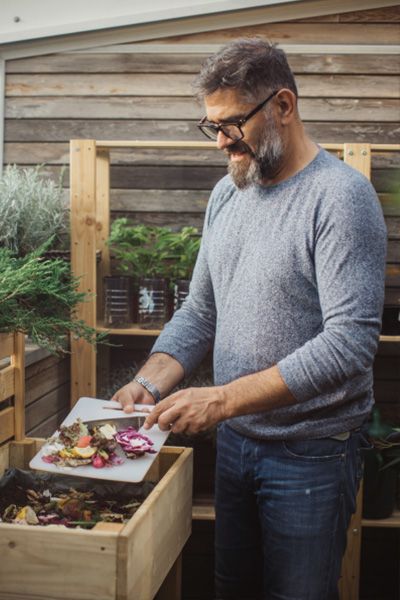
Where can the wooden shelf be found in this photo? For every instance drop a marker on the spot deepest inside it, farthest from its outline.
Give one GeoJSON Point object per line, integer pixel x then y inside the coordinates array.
{"type": "Point", "coordinates": [133, 329]}
{"type": "Point", "coordinates": [393, 521]}
{"type": "Point", "coordinates": [389, 339]}
{"type": "Point", "coordinates": [203, 508]}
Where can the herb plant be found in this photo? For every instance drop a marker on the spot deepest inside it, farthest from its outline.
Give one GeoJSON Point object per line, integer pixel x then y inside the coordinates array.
{"type": "Point", "coordinates": [31, 210]}
{"type": "Point", "coordinates": [184, 247]}
{"type": "Point", "coordinates": [149, 251]}
{"type": "Point", "coordinates": [39, 297]}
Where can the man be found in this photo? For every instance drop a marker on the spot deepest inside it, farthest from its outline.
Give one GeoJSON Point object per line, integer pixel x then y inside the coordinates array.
{"type": "Point", "coordinates": [288, 286]}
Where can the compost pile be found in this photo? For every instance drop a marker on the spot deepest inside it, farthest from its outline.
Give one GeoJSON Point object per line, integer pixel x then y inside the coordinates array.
{"type": "Point", "coordinates": [99, 446]}
{"type": "Point", "coordinates": [33, 499]}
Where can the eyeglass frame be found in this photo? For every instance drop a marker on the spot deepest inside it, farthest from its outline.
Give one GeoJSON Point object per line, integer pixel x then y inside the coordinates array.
{"type": "Point", "coordinates": [237, 124]}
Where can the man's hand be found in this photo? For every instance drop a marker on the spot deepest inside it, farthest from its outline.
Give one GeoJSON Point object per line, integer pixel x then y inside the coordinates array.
{"type": "Point", "coordinates": [131, 394]}
{"type": "Point", "coordinates": [190, 411]}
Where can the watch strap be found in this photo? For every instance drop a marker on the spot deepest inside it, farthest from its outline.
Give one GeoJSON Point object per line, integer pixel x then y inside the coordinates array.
{"type": "Point", "coordinates": [150, 387]}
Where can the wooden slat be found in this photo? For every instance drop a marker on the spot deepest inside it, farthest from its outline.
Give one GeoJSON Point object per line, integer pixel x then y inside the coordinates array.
{"type": "Point", "coordinates": [387, 14]}
{"type": "Point", "coordinates": [18, 362]}
{"type": "Point", "coordinates": [7, 382]}
{"type": "Point", "coordinates": [298, 33]}
{"type": "Point", "coordinates": [168, 528]}
{"type": "Point", "coordinates": [21, 453]}
{"type": "Point", "coordinates": [83, 260]}
{"type": "Point", "coordinates": [6, 345]}
{"type": "Point", "coordinates": [109, 62]}
{"type": "Point", "coordinates": [190, 177]}
{"type": "Point", "coordinates": [7, 416]}
{"type": "Point", "coordinates": [49, 426]}
{"type": "Point", "coordinates": [4, 458]}
{"type": "Point", "coordinates": [139, 107]}
{"type": "Point", "coordinates": [392, 521]}
{"type": "Point", "coordinates": [56, 401]}
{"type": "Point", "coordinates": [350, 573]}
{"type": "Point", "coordinates": [313, 86]}
{"type": "Point", "coordinates": [102, 222]}
{"type": "Point", "coordinates": [60, 130]}
{"type": "Point", "coordinates": [56, 153]}
{"type": "Point", "coordinates": [133, 330]}
{"type": "Point", "coordinates": [165, 219]}
{"type": "Point", "coordinates": [54, 563]}
{"type": "Point", "coordinates": [46, 379]}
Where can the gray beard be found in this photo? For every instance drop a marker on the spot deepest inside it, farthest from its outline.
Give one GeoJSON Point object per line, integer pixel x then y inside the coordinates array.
{"type": "Point", "coordinates": [261, 165]}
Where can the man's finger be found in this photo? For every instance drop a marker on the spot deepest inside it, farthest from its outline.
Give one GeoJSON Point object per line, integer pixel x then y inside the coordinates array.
{"type": "Point", "coordinates": [161, 407]}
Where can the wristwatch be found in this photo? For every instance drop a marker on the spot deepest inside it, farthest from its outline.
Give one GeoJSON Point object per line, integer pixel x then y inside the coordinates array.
{"type": "Point", "coordinates": [149, 387]}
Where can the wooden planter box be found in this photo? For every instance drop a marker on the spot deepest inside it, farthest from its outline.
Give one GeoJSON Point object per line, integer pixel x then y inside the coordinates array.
{"type": "Point", "coordinates": [109, 562]}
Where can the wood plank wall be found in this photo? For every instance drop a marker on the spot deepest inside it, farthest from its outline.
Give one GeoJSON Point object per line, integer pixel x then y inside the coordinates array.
{"type": "Point", "coordinates": [126, 94]}
{"type": "Point", "coordinates": [47, 397]}
{"type": "Point", "coordinates": [130, 95]}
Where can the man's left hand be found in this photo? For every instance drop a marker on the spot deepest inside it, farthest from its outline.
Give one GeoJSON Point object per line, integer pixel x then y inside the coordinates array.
{"type": "Point", "coordinates": [189, 411]}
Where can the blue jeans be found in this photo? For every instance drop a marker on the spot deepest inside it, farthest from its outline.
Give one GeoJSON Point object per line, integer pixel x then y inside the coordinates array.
{"type": "Point", "coordinates": [282, 512]}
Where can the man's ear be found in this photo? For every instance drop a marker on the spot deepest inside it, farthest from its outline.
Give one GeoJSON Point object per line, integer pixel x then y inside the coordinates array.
{"type": "Point", "coordinates": [286, 101]}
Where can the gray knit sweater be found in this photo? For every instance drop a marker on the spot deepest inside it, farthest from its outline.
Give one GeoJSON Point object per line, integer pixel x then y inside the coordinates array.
{"type": "Point", "coordinates": [290, 274]}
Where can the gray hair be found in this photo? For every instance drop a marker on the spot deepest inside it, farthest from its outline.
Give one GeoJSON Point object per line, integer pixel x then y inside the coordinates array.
{"type": "Point", "coordinates": [253, 66]}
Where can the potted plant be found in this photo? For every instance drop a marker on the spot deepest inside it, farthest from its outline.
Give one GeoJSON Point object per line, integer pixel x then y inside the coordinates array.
{"type": "Point", "coordinates": [32, 211]}
{"type": "Point", "coordinates": [381, 469]}
{"type": "Point", "coordinates": [144, 253]}
{"type": "Point", "coordinates": [39, 297]}
{"type": "Point", "coordinates": [185, 247]}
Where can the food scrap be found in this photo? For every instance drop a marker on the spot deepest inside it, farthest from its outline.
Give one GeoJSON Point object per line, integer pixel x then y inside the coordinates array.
{"type": "Point", "coordinates": [71, 509]}
{"type": "Point", "coordinates": [78, 444]}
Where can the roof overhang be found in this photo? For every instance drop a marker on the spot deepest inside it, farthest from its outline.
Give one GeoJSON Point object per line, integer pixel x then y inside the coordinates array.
{"type": "Point", "coordinates": [181, 18]}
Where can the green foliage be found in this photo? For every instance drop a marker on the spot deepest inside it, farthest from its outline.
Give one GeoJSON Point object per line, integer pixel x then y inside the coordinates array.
{"type": "Point", "coordinates": [184, 249]}
{"type": "Point", "coordinates": [39, 297]}
{"type": "Point", "coordinates": [386, 440]}
{"type": "Point", "coordinates": [31, 210]}
{"type": "Point", "coordinates": [149, 251]}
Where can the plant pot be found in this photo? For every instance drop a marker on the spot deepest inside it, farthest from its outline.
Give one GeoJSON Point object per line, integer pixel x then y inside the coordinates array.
{"type": "Point", "coordinates": [380, 485]}
{"type": "Point", "coordinates": [391, 320]}
{"type": "Point", "coordinates": [153, 302]}
{"type": "Point", "coordinates": [118, 301]}
{"type": "Point", "coordinates": [181, 290]}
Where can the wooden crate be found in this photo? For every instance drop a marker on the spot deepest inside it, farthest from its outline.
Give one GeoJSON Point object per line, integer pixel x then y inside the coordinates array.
{"type": "Point", "coordinates": [111, 561]}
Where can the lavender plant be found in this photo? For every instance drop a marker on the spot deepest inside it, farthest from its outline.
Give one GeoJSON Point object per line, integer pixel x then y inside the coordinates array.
{"type": "Point", "coordinates": [31, 210]}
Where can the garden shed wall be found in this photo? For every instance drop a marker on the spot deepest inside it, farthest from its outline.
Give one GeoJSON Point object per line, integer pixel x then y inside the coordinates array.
{"type": "Point", "coordinates": [349, 91]}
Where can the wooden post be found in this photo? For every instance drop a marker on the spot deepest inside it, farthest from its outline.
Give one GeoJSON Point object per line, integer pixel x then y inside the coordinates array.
{"type": "Point", "coordinates": [171, 588]}
{"type": "Point", "coordinates": [102, 222]}
{"type": "Point", "coordinates": [349, 582]}
{"type": "Point", "coordinates": [103, 268]}
{"type": "Point", "coordinates": [359, 157]}
{"type": "Point", "coordinates": [18, 362]}
{"type": "Point", "coordinates": [83, 260]}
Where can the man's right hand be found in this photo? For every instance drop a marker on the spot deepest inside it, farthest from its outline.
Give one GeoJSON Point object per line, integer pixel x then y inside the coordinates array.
{"type": "Point", "coordinates": [132, 393]}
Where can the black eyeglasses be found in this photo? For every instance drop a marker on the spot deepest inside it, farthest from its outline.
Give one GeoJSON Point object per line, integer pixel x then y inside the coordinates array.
{"type": "Point", "coordinates": [231, 130]}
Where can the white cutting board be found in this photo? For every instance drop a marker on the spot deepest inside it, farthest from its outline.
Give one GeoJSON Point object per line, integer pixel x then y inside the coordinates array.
{"type": "Point", "coordinates": [132, 470]}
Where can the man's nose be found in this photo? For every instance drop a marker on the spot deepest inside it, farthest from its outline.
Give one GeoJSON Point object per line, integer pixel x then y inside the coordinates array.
{"type": "Point", "coordinates": [223, 141]}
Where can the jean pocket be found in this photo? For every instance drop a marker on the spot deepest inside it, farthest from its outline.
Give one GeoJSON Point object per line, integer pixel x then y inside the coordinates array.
{"type": "Point", "coordinates": [315, 450]}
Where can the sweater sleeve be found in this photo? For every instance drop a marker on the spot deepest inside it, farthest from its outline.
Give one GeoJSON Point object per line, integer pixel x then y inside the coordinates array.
{"type": "Point", "coordinates": [349, 260]}
{"type": "Point", "coordinates": [191, 331]}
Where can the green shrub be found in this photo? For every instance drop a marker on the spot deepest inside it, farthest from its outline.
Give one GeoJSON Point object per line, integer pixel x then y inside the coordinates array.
{"type": "Point", "coordinates": [31, 210]}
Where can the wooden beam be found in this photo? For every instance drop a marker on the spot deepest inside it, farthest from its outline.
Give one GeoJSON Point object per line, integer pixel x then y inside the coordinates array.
{"type": "Point", "coordinates": [6, 345]}
{"type": "Point", "coordinates": [83, 261]}
{"type": "Point", "coordinates": [18, 362]}
{"type": "Point", "coordinates": [7, 383]}
{"type": "Point", "coordinates": [102, 222]}
{"type": "Point", "coordinates": [358, 156]}
{"type": "Point", "coordinates": [7, 416]}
